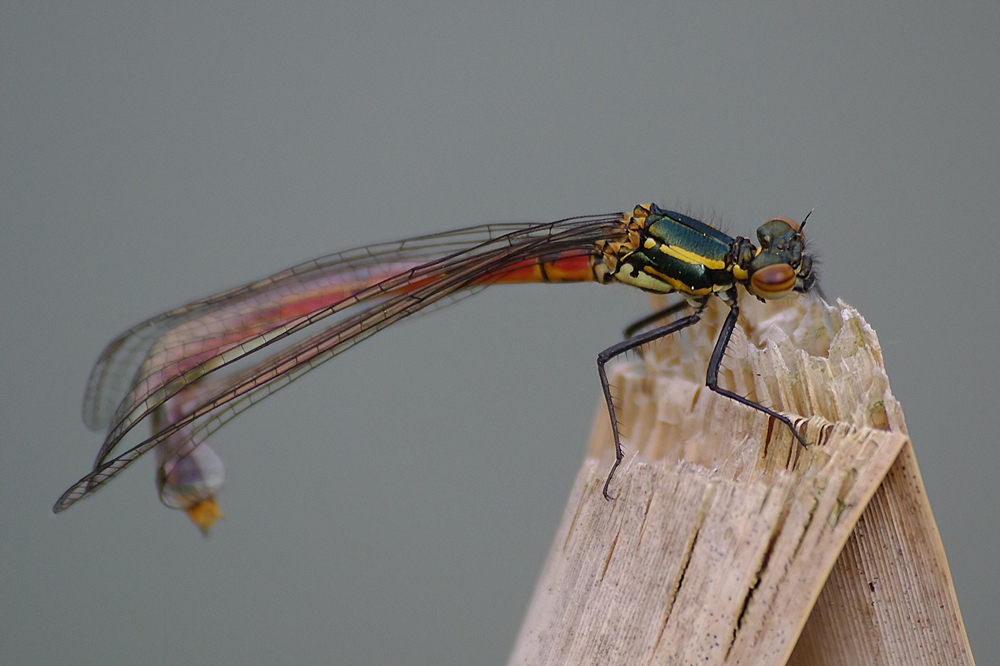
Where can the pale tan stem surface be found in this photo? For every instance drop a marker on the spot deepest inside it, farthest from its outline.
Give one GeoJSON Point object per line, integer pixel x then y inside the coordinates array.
{"type": "Point", "coordinates": [727, 542]}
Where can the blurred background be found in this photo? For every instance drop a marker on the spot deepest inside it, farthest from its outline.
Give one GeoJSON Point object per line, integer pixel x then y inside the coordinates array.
{"type": "Point", "coordinates": [396, 505]}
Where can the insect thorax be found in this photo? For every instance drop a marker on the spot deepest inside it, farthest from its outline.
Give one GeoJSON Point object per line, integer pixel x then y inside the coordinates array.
{"type": "Point", "coordinates": [662, 253]}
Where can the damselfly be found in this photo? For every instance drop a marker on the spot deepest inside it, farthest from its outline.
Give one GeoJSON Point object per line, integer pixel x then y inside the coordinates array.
{"type": "Point", "coordinates": [192, 369]}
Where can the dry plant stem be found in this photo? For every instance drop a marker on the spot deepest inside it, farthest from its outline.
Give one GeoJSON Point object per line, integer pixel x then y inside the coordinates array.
{"type": "Point", "coordinates": [724, 530]}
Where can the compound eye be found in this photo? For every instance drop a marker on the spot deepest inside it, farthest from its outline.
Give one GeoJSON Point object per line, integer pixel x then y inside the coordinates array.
{"type": "Point", "coordinates": [786, 220]}
{"type": "Point", "coordinates": [774, 281]}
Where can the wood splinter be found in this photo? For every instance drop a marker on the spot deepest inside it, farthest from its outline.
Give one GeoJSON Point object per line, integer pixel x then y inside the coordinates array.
{"type": "Point", "coordinates": [727, 542]}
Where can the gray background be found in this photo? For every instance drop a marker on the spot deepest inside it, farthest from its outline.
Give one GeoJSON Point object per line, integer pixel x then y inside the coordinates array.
{"type": "Point", "coordinates": [396, 505]}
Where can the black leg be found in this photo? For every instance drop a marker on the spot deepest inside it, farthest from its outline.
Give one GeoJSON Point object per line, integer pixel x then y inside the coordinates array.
{"type": "Point", "coordinates": [712, 378]}
{"type": "Point", "coordinates": [662, 313]}
{"type": "Point", "coordinates": [621, 348]}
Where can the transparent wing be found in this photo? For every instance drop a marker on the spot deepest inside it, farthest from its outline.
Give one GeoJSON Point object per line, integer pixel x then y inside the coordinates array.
{"type": "Point", "coordinates": [370, 288]}
{"type": "Point", "coordinates": [114, 373]}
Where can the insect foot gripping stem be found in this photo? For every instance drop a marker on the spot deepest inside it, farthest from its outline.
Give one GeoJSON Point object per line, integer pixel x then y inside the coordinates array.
{"type": "Point", "coordinates": [665, 412]}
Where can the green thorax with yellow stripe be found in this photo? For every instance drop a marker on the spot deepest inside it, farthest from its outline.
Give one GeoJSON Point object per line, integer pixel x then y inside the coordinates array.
{"type": "Point", "coordinates": [664, 251]}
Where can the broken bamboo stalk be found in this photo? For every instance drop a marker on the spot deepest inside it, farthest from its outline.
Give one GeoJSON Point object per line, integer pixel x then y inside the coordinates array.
{"type": "Point", "coordinates": [727, 543]}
